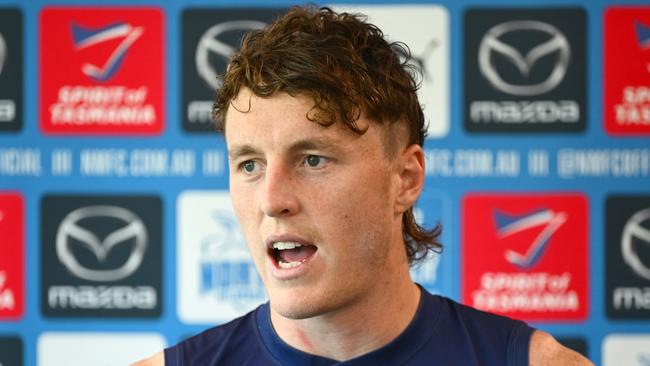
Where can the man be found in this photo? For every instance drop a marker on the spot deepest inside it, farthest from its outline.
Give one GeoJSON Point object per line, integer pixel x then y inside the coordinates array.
{"type": "Point", "coordinates": [324, 134]}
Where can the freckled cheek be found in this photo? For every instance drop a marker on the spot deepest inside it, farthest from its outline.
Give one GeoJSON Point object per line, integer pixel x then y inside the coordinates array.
{"type": "Point", "coordinates": [238, 202]}
{"type": "Point", "coordinates": [367, 204]}
{"type": "Point", "coordinates": [242, 195]}
{"type": "Point", "coordinates": [348, 211]}
{"type": "Point", "coordinates": [245, 209]}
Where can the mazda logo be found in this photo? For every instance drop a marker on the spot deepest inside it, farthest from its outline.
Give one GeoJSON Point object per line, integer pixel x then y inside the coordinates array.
{"type": "Point", "coordinates": [492, 45]}
{"type": "Point", "coordinates": [210, 44]}
{"type": "Point", "coordinates": [635, 231]}
{"type": "Point", "coordinates": [3, 52]}
{"type": "Point", "coordinates": [132, 229]}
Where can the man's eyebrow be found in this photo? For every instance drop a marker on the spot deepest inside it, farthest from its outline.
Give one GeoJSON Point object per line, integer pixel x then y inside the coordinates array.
{"type": "Point", "coordinates": [241, 150]}
{"type": "Point", "coordinates": [318, 143]}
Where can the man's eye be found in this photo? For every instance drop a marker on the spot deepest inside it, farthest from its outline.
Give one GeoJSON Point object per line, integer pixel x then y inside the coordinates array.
{"type": "Point", "coordinates": [248, 166]}
{"type": "Point", "coordinates": [314, 161]}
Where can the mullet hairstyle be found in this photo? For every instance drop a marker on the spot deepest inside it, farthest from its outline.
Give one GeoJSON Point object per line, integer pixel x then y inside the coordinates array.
{"type": "Point", "coordinates": [347, 68]}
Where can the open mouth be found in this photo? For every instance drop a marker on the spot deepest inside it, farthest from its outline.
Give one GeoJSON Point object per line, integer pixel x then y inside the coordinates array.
{"type": "Point", "coordinates": [290, 254]}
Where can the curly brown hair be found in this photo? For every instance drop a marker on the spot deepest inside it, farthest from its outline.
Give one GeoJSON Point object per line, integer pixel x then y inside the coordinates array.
{"type": "Point", "coordinates": [347, 67]}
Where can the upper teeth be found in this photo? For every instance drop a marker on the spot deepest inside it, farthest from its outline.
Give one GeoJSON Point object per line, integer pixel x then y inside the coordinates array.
{"type": "Point", "coordinates": [282, 245]}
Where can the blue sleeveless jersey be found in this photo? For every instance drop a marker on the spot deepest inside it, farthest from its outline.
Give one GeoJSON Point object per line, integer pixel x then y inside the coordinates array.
{"type": "Point", "coordinates": [442, 332]}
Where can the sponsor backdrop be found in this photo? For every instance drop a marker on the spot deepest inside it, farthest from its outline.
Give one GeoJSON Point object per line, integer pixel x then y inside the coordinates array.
{"type": "Point", "coordinates": [117, 236]}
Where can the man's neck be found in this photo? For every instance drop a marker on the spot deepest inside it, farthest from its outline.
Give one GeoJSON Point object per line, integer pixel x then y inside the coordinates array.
{"type": "Point", "coordinates": [368, 324]}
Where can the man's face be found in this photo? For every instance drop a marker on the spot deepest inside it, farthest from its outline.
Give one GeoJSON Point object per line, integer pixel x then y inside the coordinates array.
{"type": "Point", "coordinates": [316, 204]}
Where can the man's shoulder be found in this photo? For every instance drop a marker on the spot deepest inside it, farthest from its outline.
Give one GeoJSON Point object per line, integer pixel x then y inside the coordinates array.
{"type": "Point", "coordinates": [541, 347]}
{"type": "Point", "coordinates": [494, 339]}
{"type": "Point", "coordinates": [485, 327]}
{"type": "Point", "coordinates": [478, 320]}
{"type": "Point", "coordinates": [546, 350]}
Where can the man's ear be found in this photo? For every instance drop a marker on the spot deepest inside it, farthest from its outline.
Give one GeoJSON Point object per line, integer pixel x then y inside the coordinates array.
{"type": "Point", "coordinates": [411, 177]}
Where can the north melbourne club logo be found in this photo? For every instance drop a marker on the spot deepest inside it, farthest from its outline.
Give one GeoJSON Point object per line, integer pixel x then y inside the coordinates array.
{"type": "Point", "coordinates": [216, 274]}
{"type": "Point", "coordinates": [87, 38]}
{"type": "Point", "coordinates": [424, 29]}
{"type": "Point", "coordinates": [84, 348]}
{"type": "Point", "coordinates": [626, 349]}
{"type": "Point", "coordinates": [226, 267]}
{"type": "Point", "coordinates": [644, 358]}
{"type": "Point", "coordinates": [419, 60]}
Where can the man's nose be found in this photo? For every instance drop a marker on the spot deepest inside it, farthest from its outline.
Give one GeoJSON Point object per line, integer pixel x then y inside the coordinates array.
{"type": "Point", "coordinates": [279, 192]}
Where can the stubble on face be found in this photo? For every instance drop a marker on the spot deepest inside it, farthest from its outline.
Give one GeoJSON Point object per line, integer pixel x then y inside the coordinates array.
{"type": "Point", "coordinates": [347, 212]}
{"type": "Point", "coordinates": [370, 253]}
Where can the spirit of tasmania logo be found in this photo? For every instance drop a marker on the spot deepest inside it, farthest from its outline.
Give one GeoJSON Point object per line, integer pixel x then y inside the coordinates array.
{"type": "Point", "coordinates": [627, 70]}
{"type": "Point", "coordinates": [101, 70]}
{"type": "Point", "coordinates": [11, 255]}
{"type": "Point", "coordinates": [525, 255]}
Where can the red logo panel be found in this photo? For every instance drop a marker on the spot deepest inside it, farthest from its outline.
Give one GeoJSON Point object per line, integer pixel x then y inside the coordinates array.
{"type": "Point", "coordinates": [11, 256]}
{"type": "Point", "coordinates": [525, 255]}
{"type": "Point", "coordinates": [627, 70]}
{"type": "Point", "coordinates": [101, 71]}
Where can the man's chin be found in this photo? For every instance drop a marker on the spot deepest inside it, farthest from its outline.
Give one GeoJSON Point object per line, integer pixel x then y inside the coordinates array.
{"type": "Point", "coordinates": [296, 309]}
{"type": "Point", "coordinates": [296, 306]}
